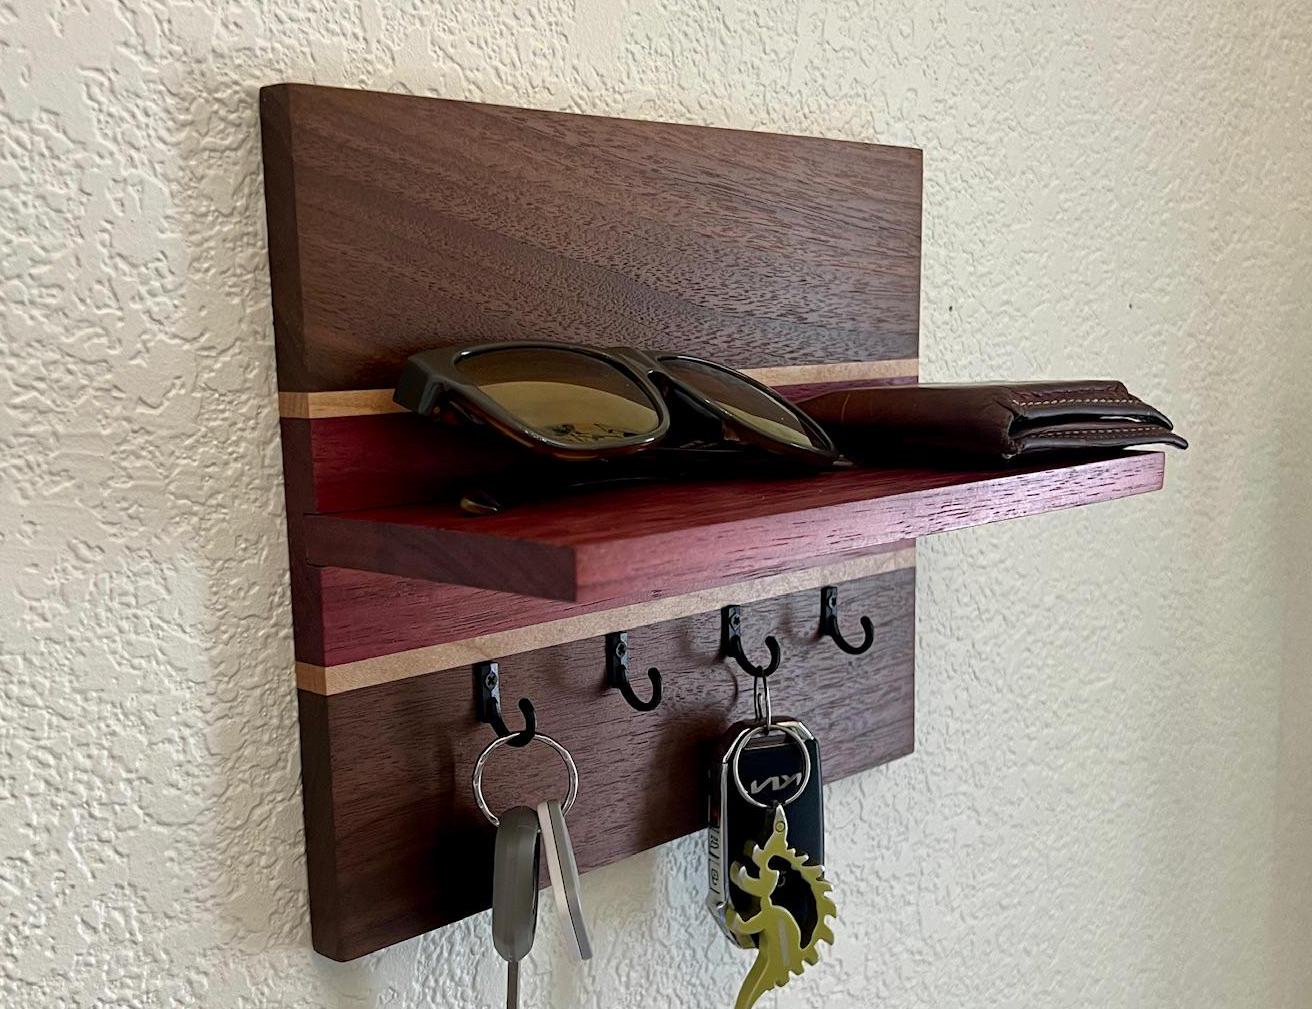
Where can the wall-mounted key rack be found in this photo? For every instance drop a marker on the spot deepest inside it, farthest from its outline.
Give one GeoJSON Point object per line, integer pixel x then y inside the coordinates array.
{"type": "Point", "coordinates": [399, 223]}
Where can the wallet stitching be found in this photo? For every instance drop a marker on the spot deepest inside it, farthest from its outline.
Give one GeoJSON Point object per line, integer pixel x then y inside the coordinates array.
{"type": "Point", "coordinates": [1079, 399]}
{"type": "Point", "coordinates": [1079, 390]}
{"type": "Point", "coordinates": [1094, 431]}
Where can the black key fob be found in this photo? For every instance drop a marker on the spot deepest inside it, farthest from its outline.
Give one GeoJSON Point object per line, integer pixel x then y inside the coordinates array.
{"type": "Point", "coordinates": [771, 769]}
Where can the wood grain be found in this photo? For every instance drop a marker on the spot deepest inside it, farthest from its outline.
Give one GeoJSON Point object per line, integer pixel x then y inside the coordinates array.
{"type": "Point", "coordinates": [507, 625]}
{"type": "Point", "coordinates": [398, 223]}
{"type": "Point", "coordinates": [395, 846]}
{"type": "Point", "coordinates": [627, 543]}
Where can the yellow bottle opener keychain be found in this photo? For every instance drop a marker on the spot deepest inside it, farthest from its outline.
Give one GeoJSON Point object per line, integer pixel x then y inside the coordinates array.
{"type": "Point", "coordinates": [780, 952]}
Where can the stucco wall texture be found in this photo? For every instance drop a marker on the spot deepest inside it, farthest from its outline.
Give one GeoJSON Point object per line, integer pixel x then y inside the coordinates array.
{"type": "Point", "coordinates": [1109, 804]}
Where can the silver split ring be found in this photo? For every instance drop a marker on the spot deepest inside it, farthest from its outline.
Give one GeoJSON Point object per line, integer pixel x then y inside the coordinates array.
{"type": "Point", "coordinates": [571, 790]}
{"type": "Point", "coordinates": [742, 742]}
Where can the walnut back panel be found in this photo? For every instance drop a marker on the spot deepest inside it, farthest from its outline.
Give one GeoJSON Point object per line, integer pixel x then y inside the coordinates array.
{"type": "Point", "coordinates": [399, 223]}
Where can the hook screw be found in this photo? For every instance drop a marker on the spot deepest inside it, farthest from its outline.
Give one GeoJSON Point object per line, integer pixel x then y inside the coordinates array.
{"type": "Point", "coordinates": [487, 705]}
{"type": "Point", "coordinates": [617, 673]}
{"type": "Point", "coordinates": [829, 624]}
{"type": "Point", "coordinates": [731, 644]}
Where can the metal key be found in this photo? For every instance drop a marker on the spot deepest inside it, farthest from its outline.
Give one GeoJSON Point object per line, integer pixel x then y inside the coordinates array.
{"type": "Point", "coordinates": [515, 892]}
{"type": "Point", "coordinates": [564, 872]}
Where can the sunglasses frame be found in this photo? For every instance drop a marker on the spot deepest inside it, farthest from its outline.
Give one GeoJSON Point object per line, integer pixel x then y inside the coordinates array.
{"type": "Point", "coordinates": [432, 380]}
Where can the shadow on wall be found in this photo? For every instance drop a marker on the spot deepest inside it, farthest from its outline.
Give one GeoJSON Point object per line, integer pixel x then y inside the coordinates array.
{"type": "Point", "coordinates": [246, 871]}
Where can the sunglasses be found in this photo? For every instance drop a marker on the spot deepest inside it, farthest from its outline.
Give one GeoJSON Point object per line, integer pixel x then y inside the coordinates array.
{"type": "Point", "coordinates": [577, 403]}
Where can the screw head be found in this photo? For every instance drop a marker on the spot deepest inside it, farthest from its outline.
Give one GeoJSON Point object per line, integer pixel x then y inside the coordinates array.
{"type": "Point", "coordinates": [490, 681]}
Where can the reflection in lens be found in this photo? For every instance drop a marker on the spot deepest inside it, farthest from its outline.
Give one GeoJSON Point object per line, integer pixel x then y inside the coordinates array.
{"type": "Point", "coordinates": [741, 400]}
{"type": "Point", "coordinates": [563, 395]}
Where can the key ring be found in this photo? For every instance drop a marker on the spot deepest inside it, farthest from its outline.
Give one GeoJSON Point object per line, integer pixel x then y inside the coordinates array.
{"type": "Point", "coordinates": [742, 742]}
{"type": "Point", "coordinates": [761, 687]}
{"type": "Point", "coordinates": [571, 790]}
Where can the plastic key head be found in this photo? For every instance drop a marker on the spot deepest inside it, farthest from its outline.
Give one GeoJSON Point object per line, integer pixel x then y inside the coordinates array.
{"type": "Point", "coordinates": [515, 892]}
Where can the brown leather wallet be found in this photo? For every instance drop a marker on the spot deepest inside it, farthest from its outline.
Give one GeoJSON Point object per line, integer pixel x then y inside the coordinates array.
{"type": "Point", "coordinates": [996, 421]}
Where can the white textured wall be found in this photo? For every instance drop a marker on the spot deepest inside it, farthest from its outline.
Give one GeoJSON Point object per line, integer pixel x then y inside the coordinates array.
{"type": "Point", "coordinates": [1109, 805]}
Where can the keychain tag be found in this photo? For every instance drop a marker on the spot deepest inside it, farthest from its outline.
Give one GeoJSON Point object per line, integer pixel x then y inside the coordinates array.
{"type": "Point", "coordinates": [564, 873]}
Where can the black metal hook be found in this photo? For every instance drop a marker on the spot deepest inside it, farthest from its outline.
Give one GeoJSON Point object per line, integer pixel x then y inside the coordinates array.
{"type": "Point", "coordinates": [617, 673]}
{"type": "Point", "coordinates": [731, 644]}
{"type": "Point", "coordinates": [487, 705]}
{"type": "Point", "coordinates": [829, 623]}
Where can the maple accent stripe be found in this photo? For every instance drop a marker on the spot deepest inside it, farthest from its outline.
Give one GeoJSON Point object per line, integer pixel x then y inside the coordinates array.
{"type": "Point", "coordinates": [364, 402]}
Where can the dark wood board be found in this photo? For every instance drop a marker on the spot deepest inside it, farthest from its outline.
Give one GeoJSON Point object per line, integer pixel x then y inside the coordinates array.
{"type": "Point", "coordinates": [634, 542]}
{"type": "Point", "coordinates": [398, 223]}
{"type": "Point", "coordinates": [395, 845]}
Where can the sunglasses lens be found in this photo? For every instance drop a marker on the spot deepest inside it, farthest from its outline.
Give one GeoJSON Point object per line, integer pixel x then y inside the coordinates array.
{"type": "Point", "coordinates": [743, 401]}
{"type": "Point", "coordinates": [568, 397]}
